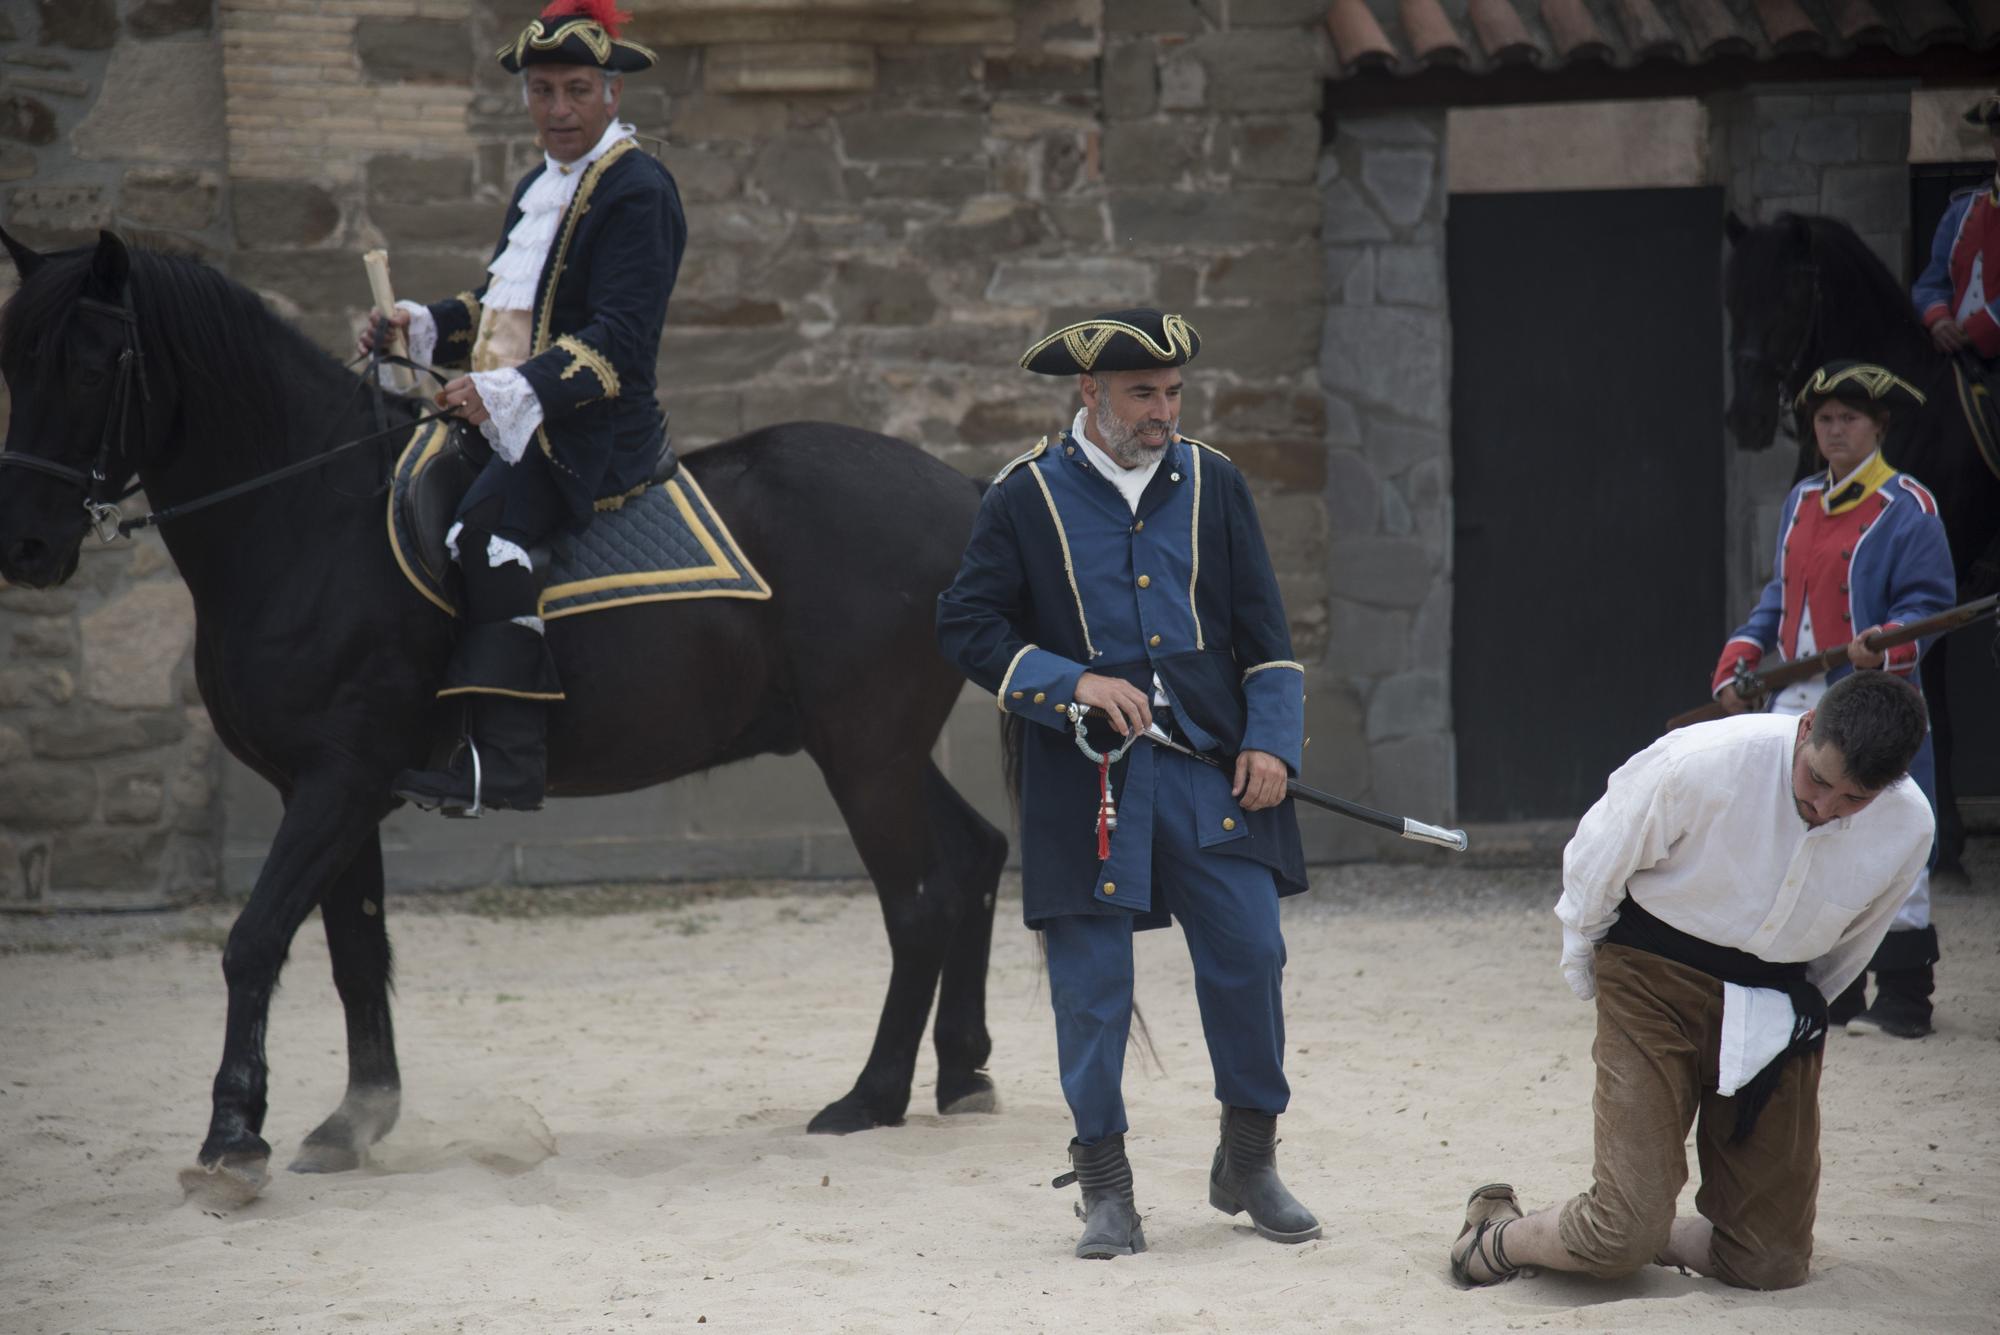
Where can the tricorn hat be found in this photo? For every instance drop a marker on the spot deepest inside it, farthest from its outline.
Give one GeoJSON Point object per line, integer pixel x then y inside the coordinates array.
{"type": "Point", "coordinates": [576, 32]}
{"type": "Point", "coordinates": [1863, 384]}
{"type": "Point", "coordinates": [1986, 111]}
{"type": "Point", "coordinates": [1142, 339]}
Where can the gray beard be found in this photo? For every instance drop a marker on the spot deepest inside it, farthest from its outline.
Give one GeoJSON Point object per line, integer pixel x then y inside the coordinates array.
{"type": "Point", "coordinates": [1122, 442]}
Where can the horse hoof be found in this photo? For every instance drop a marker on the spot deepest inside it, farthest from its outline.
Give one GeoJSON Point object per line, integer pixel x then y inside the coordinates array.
{"type": "Point", "coordinates": [968, 1094]}
{"type": "Point", "coordinates": [231, 1181]}
{"type": "Point", "coordinates": [845, 1116]}
{"type": "Point", "coordinates": [330, 1157]}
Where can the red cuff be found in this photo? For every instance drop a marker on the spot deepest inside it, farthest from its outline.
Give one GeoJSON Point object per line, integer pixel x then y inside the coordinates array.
{"type": "Point", "coordinates": [1899, 658]}
{"type": "Point", "coordinates": [1934, 312]}
{"type": "Point", "coordinates": [1984, 333]}
{"type": "Point", "coordinates": [1736, 651]}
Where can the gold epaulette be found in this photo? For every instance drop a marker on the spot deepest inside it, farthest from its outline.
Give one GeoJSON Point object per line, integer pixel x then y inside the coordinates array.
{"type": "Point", "coordinates": [1041, 447]}
{"type": "Point", "coordinates": [1210, 448]}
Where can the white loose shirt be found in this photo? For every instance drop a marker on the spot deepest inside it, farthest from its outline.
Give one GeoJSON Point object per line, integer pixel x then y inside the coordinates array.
{"type": "Point", "coordinates": [1700, 829]}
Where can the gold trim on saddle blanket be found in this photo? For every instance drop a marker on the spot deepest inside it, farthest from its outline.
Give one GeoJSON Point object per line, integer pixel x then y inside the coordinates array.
{"type": "Point", "coordinates": [1980, 416]}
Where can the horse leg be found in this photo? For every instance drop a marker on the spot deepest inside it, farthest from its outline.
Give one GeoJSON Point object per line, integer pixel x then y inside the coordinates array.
{"type": "Point", "coordinates": [882, 799]}
{"type": "Point", "coordinates": [323, 826]}
{"type": "Point", "coordinates": [357, 938]}
{"type": "Point", "coordinates": [969, 853]}
{"type": "Point", "coordinates": [1950, 828]}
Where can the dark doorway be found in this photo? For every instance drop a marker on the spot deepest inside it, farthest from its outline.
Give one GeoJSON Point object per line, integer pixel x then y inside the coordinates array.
{"type": "Point", "coordinates": [1974, 679]}
{"type": "Point", "coordinates": [1587, 453]}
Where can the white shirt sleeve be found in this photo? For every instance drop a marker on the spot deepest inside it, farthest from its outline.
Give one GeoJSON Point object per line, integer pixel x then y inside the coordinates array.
{"type": "Point", "coordinates": [513, 411]}
{"type": "Point", "coordinates": [1632, 827]}
{"type": "Point", "coordinates": [423, 332]}
{"type": "Point", "coordinates": [1832, 972]}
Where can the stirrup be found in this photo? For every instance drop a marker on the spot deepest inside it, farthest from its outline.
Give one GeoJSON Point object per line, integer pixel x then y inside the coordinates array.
{"type": "Point", "coordinates": [476, 810]}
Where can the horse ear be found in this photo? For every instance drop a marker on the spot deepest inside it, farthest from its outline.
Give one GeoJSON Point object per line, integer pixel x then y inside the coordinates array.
{"type": "Point", "coordinates": [1733, 227]}
{"type": "Point", "coordinates": [26, 261]}
{"type": "Point", "coordinates": [110, 266]}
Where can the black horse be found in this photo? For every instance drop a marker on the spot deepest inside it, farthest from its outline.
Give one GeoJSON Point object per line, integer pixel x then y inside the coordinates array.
{"type": "Point", "coordinates": [1802, 291]}
{"type": "Point", "coordinates": [317, 660]}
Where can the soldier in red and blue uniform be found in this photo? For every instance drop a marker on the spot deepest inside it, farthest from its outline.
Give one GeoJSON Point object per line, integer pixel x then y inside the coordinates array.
{"type": "Point", "coordinates": [1119, 565]}
{"type": "Point", "coordinates": [1860, 549]}
{"type": "Point", "coordinates": [1958, 293]}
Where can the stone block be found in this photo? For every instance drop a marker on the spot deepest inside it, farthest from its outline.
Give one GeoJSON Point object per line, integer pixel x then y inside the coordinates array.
{"type": "Point", "coordinates": [33, 686]}
{"type": "Point", "coordinates": [798, 170]}
{"type": "Point", "coordinates": [67, 207]}
{"type": "Point", "coordinates": [875, 136]}
{"type": "Point", "coordinates": [1390, 357]}
{"type": "Point", "coordinates": [936, 75]}
{"type": "Point", "coordinates": [1295, 532]}
{"type": "Point", "coordinates": [133, 643]}
{"type": "Point", "coordinates": [947, 182]}
{"type": "Point", "coordinates": [1783, 178]}
{"type": "Point", "coordinates": [82, 25]}
{"type": "Point", "coordinates": [1084, 221]}
{"type": "Point", "coordinates": [703, 416]}
{"type": "Point", "coordinates": [1380, 571]}
{"type": "Point", "coordinates": [16, 164]}
{"type": "Point", "coordinates": [865, 293]}
{"type": "Point", "coordinates": [1868, 199]}
{"type": "Point", "coordinates": [1777, 106]}
{"type": "Point", "coordinates": [1430, 637]}
{"type": "Point", "coordinates": [1401, 181]}
{"type": "Point", "coordinates": [1884, 139]}
{"type": "Point", "coordinates": [13, 746]}
{"type": "Point", "coordinates": [1154, 152]}
{"type": "Point", "coordinates": [1828, 139]}
{"type": "Point", "coordinates": [134, 797]}
{"type": "Point", "coordinates": [1412, 776]}
{"type": "Point", "coordinates": [985, 229]}
{"type": "Point", "coordinates": [1285, 148]}
{"type": "Point", "coordinates": [1407, 704]}
{"type": "Point", "coordinates": [1055, 282]}
{"type": "Point", "coordinates": [414, 50]}
{"type": "Point", "coordinates": [1150, 16]}
{"type": "Point", "coordinates": [40, 797]}
{"type": "Point", "coordinates": [1266, 275]}
{"type": "Point", "coordinates": [321, 281]}
{"type": "Point", "coordinates": [1259, 342]}
{"type": "Point", "coordinates": [1019, 71]}
{"type": "Point", "coordinates": [468, 223]}
{"type": "Point", "coordinates": [1353, 495]}
{"type": "Point", "coordinates": [1265, 410]}
{"type": "Point", "coordinates": [158, 102]}
{"type": "Point", "coordinates": [1246, 216]}
{"type": "Point", "coordinates": [1286, 464]}
{"type": "Point", "coordinates": [700, 117]}
{"type": "Point", "coordinates": [1347, 216]}
{"type": "Point", "coordinates": [1183, 84]}
{"type": "Point", "coordinates": [1130, 80]}
{"type": "Point", "coordinates": [86, 734]}
{"type": "Point", "coordinates": [1776, 140]}
{"type": "Point", "coordinates": [427, 274]}
{"type": "Point", "coordinates": [1410, 276]}
{"type": "Point", "coordinates": [60, 85]}
{"type": "Point", "coordinates": [162, 18]}
{"type": "Point", "coordinates": [1392, 127]}
{"type": "Point", "coordinates": [106, 859]}
{"type": "Point", "coordinates": [1394, 448]}
{"type": "Point", "coordinates": [170, 197]}
{"type": "Point", "coordinates": [1364, 641]}
{"type": "Point", "coordinates": [788, 68]}
{"type": "Point", "coordinates": [1256, 70]}
{"type": "Point", "coordinates": [706, 176]}
{"type": "Point", "coordinates": [727, 312]}
{"type": "Point", "coordinates": [27, 120]}
{"type": "Point", "coordinates": [396, 178]}
{"type": "Point", "coordinates": [692, 357]}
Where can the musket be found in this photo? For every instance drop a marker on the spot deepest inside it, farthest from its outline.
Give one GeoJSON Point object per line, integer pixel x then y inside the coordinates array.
{"type": "Point", "coordinates": [1404, 826]}
{"type": "Point", "coordinates": [1750, 684]}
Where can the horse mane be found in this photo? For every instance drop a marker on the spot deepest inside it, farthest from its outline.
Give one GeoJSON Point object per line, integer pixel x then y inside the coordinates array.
{"type": "Point", "coordinates": [1866, 296]}
{"type": "Point", "coordinates": [240, 367]}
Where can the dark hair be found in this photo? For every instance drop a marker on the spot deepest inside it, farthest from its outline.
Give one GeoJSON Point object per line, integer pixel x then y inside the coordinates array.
{"type": "Point", "coordinates": [1876, 721]}
{"type": "Point", "coordinates": [1873, 409]}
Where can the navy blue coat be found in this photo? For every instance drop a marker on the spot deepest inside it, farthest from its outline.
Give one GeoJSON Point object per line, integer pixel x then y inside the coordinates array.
{"type": "Point", "coordinates": [599, 308]}
{"type": "Point", "coordinates": [1061, 577]}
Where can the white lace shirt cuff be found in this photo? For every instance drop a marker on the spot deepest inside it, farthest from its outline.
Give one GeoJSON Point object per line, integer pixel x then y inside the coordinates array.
{"type": "Point", "coordinates": [513, 411]}
{"type": "Point", "coordinates": [423, 332]}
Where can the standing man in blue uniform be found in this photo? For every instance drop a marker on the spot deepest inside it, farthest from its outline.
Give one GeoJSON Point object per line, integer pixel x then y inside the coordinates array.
{"type": "Point", "coordinates": [559, 345]}
{"type": "Point", "coordinates": [1119, 566]}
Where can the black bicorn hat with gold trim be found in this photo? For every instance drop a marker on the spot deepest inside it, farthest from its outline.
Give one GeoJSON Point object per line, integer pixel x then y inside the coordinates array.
{"type": "Point", "coordinates": [1141, 339]}
{"type": "Point", "coordinates": [1863, 384]}
{"type": "Point", "coordinates": [577, 32]}
{"type": "Point", "coordinates": [1986, 111]}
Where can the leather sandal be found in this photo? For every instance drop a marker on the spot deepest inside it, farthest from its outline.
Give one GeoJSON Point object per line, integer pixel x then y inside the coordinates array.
{"type": "Point", "coordinates": [1487, 1212]}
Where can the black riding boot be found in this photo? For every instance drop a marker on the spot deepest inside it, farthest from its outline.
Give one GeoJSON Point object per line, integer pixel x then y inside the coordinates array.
{"type": "Point", "coordinates": [502, 670]}
{"type": "Point", "coordinates": [1245, 1177]}
{"type": "Point", "coordinates": [1110, 1219]}
{"type": "Point", "coordinates": [1903, 985]}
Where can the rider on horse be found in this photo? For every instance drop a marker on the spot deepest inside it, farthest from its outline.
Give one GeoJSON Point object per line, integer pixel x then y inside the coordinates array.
{"type": "Point", "coordinates": [560, 344]}
{"type": "Point", "coordinates": [1958, 294]}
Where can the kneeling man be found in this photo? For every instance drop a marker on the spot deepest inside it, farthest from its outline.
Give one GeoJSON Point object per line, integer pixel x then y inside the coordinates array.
{"type": "Point", "coordinates": [1733, 876]}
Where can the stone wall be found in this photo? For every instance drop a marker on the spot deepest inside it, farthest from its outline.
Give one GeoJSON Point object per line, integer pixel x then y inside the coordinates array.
{"type": "Point", "coordinates": [1384, 699]}
{"type": "Point", "coordinates": [110, 116]}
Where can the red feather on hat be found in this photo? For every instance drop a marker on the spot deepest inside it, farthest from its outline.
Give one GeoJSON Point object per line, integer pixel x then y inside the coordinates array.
{"type": "Point", "coordinates": [604, 13]}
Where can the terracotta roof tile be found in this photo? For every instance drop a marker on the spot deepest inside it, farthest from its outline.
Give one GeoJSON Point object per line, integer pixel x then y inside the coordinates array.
{"type": "Point", "coordinates": [1928, 21]}
{"type": "Point", "coordinates": [1577, 35]}
{"type": "Point", "coordinates": [1502, 35]}
{"type": "Point", "coordinates": [1357, 37]}
{"type": "Point", "coordinates": [1859, 21]}
{"type": "Point", "coordinates": [1646, 32]}
{"type": "Point", "coordinates": [1432, 38]}
{"type": "Point", "coordinates": [1715, 30]}
{"type": "Point", "coordinates": [1788, 27]}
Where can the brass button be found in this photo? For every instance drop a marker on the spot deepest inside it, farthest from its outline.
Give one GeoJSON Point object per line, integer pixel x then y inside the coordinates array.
{"type": "Point", "coordinates": [1110, 889]}
{"type": "Point", "coordinates": [1145, 580]}
{"type": "Point", "coordinates": [1155, 642]}
{"type": "Point", "coordinates": [1041, 696]}
{"type": "Point", "coordinates": [1017, 695]}
{"type": "Point", "coordinates": [1139, 527]}
{"type": "Point", "coordinates": [1847, 616]}
{"type": "Point", "coordinates": [1229, 822]}
{"type": "Point", "coordinates": [1846, 555]}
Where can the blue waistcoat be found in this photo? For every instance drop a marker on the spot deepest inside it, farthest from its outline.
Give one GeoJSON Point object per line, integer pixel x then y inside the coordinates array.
{"type": "Point", "coordinates": [1061, 577]}
{"type": "Point", "coordinates": [600, 305]}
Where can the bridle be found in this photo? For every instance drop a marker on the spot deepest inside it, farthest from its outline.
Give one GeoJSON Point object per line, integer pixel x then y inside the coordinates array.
{"type": "Point", "coordinates": [1789, 373]}
{"type": "Point", "coordinates": [96, 484]}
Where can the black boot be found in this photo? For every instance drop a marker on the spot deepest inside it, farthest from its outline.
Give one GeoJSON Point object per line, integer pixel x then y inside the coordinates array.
{"type": "Point", "coordinates": [1849, 1003]}
{"type": "Point", "coordinates": [1110, 1219]}
{"type": "Point", "coordinates": [1245, 1177]}
{"type": "Point", "coordinates": [504, 673]}
{"type": "Point", "coordinates": [1903, 985]}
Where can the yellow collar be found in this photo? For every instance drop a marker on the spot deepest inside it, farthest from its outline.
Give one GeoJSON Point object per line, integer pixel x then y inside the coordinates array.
{"type": "Point", "coordinates": [1843, 494]}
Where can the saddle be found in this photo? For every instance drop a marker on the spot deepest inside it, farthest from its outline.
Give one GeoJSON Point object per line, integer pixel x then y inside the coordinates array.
{"type": "Point", "coordinates": [662, 541]}
{"type": "Point", "coordinates": [1979, 399]}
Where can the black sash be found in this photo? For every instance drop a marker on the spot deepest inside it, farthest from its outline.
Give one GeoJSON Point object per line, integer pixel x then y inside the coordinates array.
{"type": "Point", "coordinates": [1640, 930]}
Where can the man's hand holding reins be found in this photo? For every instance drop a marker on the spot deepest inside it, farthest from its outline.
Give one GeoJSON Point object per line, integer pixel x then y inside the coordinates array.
{"type": "Point", "coordinates": [399, 320]}
{"type": "Point", "coordinates": [461, 396]}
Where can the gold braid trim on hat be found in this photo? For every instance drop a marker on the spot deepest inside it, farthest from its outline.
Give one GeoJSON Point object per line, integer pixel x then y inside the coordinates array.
{"type": "Point", "coordinates": [1086, 340]}
{"type": "Point", "coordinates": [1876, 380]}
{"type": "Point", "coordinates": [588, 31]}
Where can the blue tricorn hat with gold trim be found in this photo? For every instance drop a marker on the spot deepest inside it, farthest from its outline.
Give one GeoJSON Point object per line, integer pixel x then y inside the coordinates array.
{"type": "Point", "coordinates": [577, 32]}
{"type": "Point", "coordinates": [1986, 111]}
{"type": "Point", "coordinates": [1141, 339]}
{"type": "Point", "coordinates": [1862, 384]}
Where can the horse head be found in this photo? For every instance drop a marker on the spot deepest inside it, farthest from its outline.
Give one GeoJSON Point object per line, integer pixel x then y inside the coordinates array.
{"type": "Point", "coordinates": [1769, 290]}
{"type": "Point", "coordinates": [81, 409]}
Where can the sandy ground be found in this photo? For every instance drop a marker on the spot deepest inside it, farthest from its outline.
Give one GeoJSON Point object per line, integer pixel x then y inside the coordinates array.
{"type": "Point", "coordinates": [606, 1095]}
